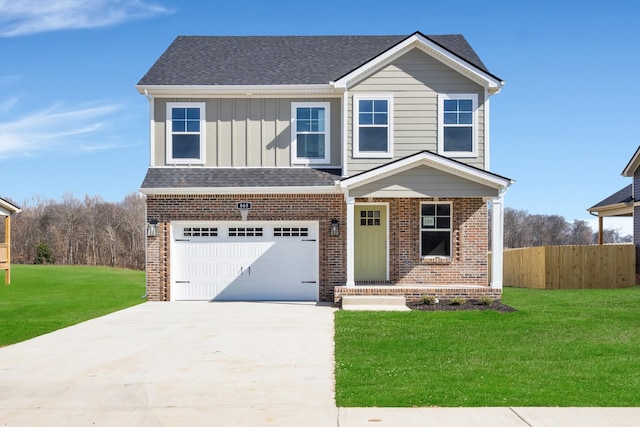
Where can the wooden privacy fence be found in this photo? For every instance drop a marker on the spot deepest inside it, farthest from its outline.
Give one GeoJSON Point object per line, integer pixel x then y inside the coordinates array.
{"type": "Point", "coordinates": [570, 267]}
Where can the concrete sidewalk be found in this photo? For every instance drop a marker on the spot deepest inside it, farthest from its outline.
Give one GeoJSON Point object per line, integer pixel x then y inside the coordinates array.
{"type": "Point", "coordinates": [489, 417]}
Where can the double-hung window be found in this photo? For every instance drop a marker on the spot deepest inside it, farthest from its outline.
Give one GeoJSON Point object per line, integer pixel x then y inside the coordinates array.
{"type": "Point", "coordinates": [457, 125]}
{"type": "Point", "coordinates": [373, 126]}
{"type": "Point", "coordinates": [435, 229]}
{"type": "Point", "coordinates": [310, 132]}
{"type": "Point", "coordinates": [185, 132]}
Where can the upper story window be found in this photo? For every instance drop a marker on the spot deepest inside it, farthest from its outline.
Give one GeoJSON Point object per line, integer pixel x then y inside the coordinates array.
{"type": "Point", "coordinates": [185, 132]}
{"type": "Point", "coordinates": [457, 125]}
{"type": "Point", "coordinates": [310, 134]}
{"type": "Point", "coordinates": [435, 229]}
{"type": "Point", "coordinates": [372, 126]}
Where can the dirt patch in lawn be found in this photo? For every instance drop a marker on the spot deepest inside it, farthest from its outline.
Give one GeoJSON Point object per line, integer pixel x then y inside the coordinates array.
{"type": "Point", "coordinates": [444, 305]}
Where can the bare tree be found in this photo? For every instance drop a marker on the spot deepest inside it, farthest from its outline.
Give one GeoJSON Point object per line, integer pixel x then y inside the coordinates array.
{"type": "Point", "coordinates": [522, 229]}
{"type": "Point", "coordinates": [91, 231]}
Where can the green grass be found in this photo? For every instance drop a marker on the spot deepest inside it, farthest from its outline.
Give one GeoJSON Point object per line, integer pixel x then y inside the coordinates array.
{"type": "Point", "coordinates": [44, 298]}
{"type": "Point", "coordinates": [561, 348]}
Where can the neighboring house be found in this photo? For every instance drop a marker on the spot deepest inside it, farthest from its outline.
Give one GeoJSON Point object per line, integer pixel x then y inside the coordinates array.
{"type": "Point", "coordinates": [308, 168]}
{"type": "Point", "coordinates": [619, 203]}
{"type": "Point", "coordinates": [6, 210]}
{"type": "Point", "coordinates": [623, 203]}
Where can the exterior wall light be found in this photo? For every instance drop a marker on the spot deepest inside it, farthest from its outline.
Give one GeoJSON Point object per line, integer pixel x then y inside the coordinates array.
{"type": "Point", "coordinates": [152, 228]}
{"type": "Point", "coordinates": [335, 228]}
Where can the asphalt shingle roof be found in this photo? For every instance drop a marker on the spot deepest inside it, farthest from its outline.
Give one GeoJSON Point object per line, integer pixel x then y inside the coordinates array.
{"type": "Point", "coordinates": [279, 60]}
{"type": "Point", "coordinates": [187, 177]}
{"type": "Point", "coordinates": [622, 196]}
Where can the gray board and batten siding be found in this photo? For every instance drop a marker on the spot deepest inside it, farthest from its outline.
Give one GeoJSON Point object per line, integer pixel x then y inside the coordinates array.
{"type": "Point", "coordinates": [248, 132]}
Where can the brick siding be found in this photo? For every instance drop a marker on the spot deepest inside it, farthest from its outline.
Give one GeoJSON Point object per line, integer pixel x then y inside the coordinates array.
{"type": "Point", "coordinates": [416, 293]}
{"type": "Point", "coordinates": [469, 262]}
{"type": "Point", "coordinates": [298, 207]}
{"type": "Point", "coordinates": [413, 275]}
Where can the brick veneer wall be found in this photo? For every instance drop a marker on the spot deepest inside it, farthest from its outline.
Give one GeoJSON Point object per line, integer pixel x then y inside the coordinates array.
{"type": "Point", "coordinates": [416, 293]}
{"type": "Point", "coordinates": [298, 207]}
{"type": "Point", "coordinates": [469, 263]}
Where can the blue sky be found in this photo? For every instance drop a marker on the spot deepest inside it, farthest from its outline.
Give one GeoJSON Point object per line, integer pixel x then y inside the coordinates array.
{"type": "Point", "coordinates": [563, 127]}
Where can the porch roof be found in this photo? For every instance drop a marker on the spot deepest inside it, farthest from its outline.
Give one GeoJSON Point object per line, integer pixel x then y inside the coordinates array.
{"type": "Point", "coordinates": [7, 208]}
{"type": "Point", "coordinates": [619, 203]}
{"type": "Point", "coordinates": [190, 180]}
{"type": "Point", "coordinates": [426, 174]}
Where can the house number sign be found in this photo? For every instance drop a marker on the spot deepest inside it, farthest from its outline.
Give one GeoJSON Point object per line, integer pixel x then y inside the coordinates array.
{"type": "Point", "coordinates": [428, 221]}
{"type": "Point", "coordinates": [244, 205]}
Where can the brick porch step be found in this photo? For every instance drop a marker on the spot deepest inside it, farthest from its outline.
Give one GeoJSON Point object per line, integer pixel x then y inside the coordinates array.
{"type": "Point", "coordinates": [374, 303]}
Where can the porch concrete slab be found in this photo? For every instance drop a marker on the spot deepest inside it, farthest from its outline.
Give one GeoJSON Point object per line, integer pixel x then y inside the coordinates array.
{"type": "Point", "coordinates": [165, 364]}
{"type": "Point", "coordinates": [374, 303]}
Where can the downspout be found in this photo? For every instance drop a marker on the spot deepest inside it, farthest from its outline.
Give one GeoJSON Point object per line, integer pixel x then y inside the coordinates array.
{"type": "Point", "coordinates": [146, 248]}
{"type": "Point", "coordinates": [151, 157]}
{"type": "Point", "coordinates": [152, 134]}
{"type": "Point", "coordinates": [345, 121]}
{"type": "Point", "coordinates": [486, 130]}
{"type": "Point", "coordinates": [600, 229]}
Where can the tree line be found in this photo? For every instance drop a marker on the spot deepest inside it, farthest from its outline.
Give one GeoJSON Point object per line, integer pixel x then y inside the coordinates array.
{"type": "Point", "coordinates": [89, 231]}
{"type": "Point", "coordinates": [522, 229]}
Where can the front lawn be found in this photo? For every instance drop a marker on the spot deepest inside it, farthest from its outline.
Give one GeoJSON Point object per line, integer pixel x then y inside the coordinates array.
{"type": "Point", "coordinates": [43, 298]}
{"type": "Point", "coordinates": [561, 348]}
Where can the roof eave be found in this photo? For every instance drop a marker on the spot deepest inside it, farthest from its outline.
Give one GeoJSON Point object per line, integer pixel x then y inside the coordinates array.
{"type": "Point", "coordinates": [617, 209]}
{"type": "Point", "coordinates": [237, 90]}
{"type": "Point", "coordinates": [9, 208]}
{"type": "Point", "coordinates": [633, 164]}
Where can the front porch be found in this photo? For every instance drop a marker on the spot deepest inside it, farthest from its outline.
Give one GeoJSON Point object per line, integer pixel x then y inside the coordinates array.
{"type": "Point", "coordinates": [415, 293]}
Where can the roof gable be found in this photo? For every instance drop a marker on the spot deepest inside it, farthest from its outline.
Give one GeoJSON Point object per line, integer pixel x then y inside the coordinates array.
{"type": "Point", "coordinates": [286, 60]}
{"type": "Point", "coordinates": [453, 51]}
{"type": "Point", "coordinates": [433, 160]}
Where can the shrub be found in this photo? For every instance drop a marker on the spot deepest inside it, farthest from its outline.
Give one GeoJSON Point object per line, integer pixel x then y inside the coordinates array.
{"type": "Point", "coordinates": [429, 300]}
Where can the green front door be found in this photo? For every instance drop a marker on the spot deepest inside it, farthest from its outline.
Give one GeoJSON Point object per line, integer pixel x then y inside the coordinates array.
{"type": "Point", "coordinates": [370, 230]}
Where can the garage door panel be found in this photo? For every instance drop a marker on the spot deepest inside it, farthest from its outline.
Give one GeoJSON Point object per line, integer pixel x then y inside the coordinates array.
{"type": "Point", "coordinates": [284, 267]}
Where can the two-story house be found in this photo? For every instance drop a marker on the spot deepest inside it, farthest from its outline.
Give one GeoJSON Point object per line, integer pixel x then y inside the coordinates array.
{"type": "Point", "coordinates": [312, 167]}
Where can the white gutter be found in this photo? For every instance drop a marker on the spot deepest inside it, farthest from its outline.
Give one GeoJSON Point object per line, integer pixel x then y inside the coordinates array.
{"type": "Point", "coordinates": [238, 90]}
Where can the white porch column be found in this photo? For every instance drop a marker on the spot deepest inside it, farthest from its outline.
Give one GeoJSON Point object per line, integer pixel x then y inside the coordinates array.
{"type": "Point", "coordinates": [351, 204]}
{"type": "Point", "coordinates": [497, 243]}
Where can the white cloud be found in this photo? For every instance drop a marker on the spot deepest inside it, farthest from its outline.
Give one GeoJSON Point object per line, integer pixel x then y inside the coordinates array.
{"type": "Point", "coordinates": [52, 129]}
{"type": "Point", "coordinates": [21, 17]}
{"type": "Point", "coordinates": [7, 104]}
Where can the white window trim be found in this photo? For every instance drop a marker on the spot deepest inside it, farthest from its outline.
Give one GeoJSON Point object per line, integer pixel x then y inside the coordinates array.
{"type": "Point", "coordinates": [474, 131]}
{"type": "Point", "coordinates": [327, 133]}
{"type": "Point", "coordinates": [450, 256]}
{"type": "Point", "coordinates": [169, 133]}
{"type": "Point", "coordinates": [356, 125]}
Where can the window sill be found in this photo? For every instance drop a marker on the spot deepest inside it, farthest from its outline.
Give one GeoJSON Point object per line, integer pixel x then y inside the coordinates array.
{"type": "Point", "coordinates": [462, 154]}
{"type": "Point", "coordinates": [436, 260]}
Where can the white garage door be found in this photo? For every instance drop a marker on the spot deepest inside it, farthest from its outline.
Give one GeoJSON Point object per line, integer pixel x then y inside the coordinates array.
{"type": "Point", "coordinates": [244, 261]}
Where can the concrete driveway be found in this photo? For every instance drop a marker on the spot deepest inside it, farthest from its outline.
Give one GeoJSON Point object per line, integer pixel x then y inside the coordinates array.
{"type": "Point", "coordinates": [177, 364]}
